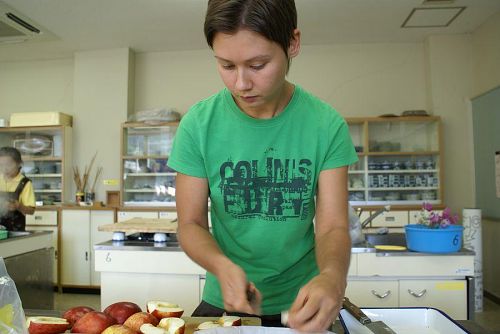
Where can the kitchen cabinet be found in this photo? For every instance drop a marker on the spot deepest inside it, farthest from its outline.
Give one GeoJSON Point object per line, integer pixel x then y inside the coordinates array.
{"type": "Point", "coordinates": [399, 161]}
{"type": "Point", "coordinates": [78, 235]}
{"type": "Point", "coordinates": [146, 178]}
{"type": "Point", "coordinates": [46, 153]}
{"type": "Point", "coordinates": [373, 293]}
{"type": "Point", "coordinates": [47, 221]}
{"type": "Point", "coordinates": [449, 295]}
{"type": "Point", "coordinates": [412, 279]}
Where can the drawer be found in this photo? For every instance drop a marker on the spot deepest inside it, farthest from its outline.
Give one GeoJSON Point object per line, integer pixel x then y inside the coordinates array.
{"type": "Point", "coordinates": [391, 219]}
{"type": "Point", "coordinates": [168, 215]}
{"type": "Point", "coordinates": [42, 218]}
{"type": "Point", "coordinates": [373, 293]}
{"type": "Point", "coordinates": [126, 215]}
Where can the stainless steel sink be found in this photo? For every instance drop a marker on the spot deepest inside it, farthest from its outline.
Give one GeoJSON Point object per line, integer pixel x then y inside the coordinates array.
{"type": "Point", "coordinates": [15, 234]}
{"type": "Point", "coordinates": [395, 239]}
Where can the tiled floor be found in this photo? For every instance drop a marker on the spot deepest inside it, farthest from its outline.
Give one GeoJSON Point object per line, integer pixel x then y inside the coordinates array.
{"type": "Point", "coordinates": [489, 319]}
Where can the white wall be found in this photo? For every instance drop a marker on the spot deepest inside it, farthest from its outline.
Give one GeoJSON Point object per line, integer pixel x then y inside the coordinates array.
{"type": "Point", "coordinates": [31, 86]}
{"type": "Point", "coordinates": [486, 51]}
{"type": "Point", "coordinates": [486, 57]}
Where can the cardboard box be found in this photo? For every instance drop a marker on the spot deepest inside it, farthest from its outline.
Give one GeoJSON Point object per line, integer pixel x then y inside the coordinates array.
{"type": "Point", "coordinates": [40, 119]}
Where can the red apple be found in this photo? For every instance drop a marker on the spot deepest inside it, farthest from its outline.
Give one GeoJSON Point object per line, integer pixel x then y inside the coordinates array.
{"type": "Point", "coordinates": [93, 323]}
{"type": "Point", "coordinates": [208, 325]}
{"type": "Point", "coordinates": [228, 321]}
{"type": "Point", "coordinates": [164, 309]}
{"type": "Point", "coordinates": [119, 329]}
{"type": "Point", "coordinates": [173, 325]}
{"type": "Point", "coordinates": [46, 325]}
{"type": "Point", "coordinates": [150, 329]}
{"type": "Point", "coordinates": [122, 310]}
{"type": "Point", "coordinates": [75, 313]}
{"type": "Point", "coordinates": [135, 321]}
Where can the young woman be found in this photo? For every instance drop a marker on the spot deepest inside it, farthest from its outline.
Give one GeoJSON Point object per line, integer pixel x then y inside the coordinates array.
{"type": "Point", "coordinates": [17, 198]}
{"type": "Point", "coordinates": [271, 157]}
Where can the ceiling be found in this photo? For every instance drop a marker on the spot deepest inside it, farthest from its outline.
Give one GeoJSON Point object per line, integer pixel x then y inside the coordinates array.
{"type": "Point", "coordinates": [170, 25]}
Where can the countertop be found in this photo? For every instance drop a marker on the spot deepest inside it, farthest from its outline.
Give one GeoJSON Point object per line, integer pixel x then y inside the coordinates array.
{"type": "Point", "coordinates": [23, 235]}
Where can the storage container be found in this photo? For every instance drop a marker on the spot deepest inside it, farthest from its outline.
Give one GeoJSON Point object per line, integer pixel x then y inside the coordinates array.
{"type": "Point", "coordinates": [412, 320]}
{"type": "Point", "coordinates": [40, 119]}
{"type": "Point", "coordinates": [4, 234]}
{"type": "Point", "coordinates": [420, 238]}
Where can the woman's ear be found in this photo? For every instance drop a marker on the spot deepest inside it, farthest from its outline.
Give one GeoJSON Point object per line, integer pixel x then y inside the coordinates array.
{"type": "Point", "coordinates": [294, 48]}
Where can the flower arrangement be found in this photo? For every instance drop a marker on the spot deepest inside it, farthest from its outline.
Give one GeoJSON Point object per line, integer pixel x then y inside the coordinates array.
{"type": "Point", "coordinates": [435, 220]}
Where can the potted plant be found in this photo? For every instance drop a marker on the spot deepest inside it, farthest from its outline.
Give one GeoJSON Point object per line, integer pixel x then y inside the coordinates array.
{"type": "Point", "coordinates": [434, 232]}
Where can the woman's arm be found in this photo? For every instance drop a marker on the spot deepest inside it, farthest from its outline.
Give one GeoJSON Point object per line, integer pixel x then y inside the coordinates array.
{"type": "Point", "coordinates": [319, 301]}
{"type": "Point", "coordinates": [196, 240]}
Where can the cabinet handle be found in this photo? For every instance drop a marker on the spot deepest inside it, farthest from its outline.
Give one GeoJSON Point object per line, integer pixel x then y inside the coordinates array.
{"type": "Point", "coordinates": [381, 296]}
{"type": "Point", "coordinates": [86, 256]}
{"type": "Point", "coordinates": [108, 257]}
{"type": "Point", "coordinates": [417, 294]}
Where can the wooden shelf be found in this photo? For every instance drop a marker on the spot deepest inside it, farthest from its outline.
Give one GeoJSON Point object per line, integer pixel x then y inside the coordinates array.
{"type": "Point", "coordinates": [43, 175]}
{"type": "Point", "coordinates": [144, 157]}
{"type": "Point", "coordinates": [149, 174]}
{"type": "Point", "coordinates": [403, 153]}
{"type": "Point", "coordinates": [401, 171]}
{"type": "Point", "coordinates": [31, 158]}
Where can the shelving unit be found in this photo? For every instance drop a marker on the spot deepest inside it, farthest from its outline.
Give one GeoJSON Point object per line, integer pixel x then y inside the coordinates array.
{"type": "Point", "coordinates": [400, 161]}
{"type": "Point", "coordinates": [147, 181]}
{"type": "Point", "coordinates": [46, 153]}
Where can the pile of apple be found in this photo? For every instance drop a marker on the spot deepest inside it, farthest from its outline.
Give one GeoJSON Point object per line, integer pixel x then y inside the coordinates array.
{"type": "Point", "coordinates": [118, 318]}
{"type": "Point", "coordinates": [123, 318]}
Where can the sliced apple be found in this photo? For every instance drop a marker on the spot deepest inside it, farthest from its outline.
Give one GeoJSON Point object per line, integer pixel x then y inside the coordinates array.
{"type": "Point", "coordinates": [136, 320]}
{"type": "Point", "coordinates": [150, 329]}
{"type": "Point", "coordinates": [229, 320]}
{"type": "Point", "coordinates": [208, 325]}
{"type": "Point", "coordinates": [162, 309]}
{"type": "Point", "coordinates": [173, 325]}
{"type": "Point", "coordinates": [46, 325]}
{"type": "Point", "coordinates": [119, 329]}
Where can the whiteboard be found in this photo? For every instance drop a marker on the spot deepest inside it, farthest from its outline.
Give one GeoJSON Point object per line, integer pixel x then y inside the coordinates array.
{"type": "Point", "coordinates": [486, 128]}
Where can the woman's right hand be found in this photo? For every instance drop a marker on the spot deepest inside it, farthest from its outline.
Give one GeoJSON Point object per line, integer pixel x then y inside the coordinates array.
{"type": "Point", "coordinates": [239, 295]}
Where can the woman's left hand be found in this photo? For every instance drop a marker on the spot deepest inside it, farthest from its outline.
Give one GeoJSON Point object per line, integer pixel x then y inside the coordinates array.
{"type": "Point", "coordinates": [318, 303]}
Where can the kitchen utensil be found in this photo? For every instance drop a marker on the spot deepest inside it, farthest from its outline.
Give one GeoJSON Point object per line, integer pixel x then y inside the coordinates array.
{"type": "Point", "coordinates": [377, 327]}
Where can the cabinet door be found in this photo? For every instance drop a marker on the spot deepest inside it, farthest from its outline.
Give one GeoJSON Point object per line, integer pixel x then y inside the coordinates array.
{"type": "Point", "coordinates": [449, 296]}
{"type": "Point", "coordinates": [373, 293]}
{"type": "Point", "coordinates": [98, 218]}
{"type": "Point", "coordinates": [75, 247]}
{"type": "Point", "coordinates": [126, 215]}
{"type": "Point", "coordinates": [54, 244]}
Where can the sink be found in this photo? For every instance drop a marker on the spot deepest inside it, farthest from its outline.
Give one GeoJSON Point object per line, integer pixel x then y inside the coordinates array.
{"type": "Point", "coordinates": [394, 239]}
{"type": "Point", "coordinates": [15, 234]}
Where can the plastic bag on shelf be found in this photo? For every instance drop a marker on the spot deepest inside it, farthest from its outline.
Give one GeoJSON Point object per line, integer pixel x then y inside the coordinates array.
{"type": "Point", "coordinates": [153, 116]}
{"type": "Point", "coordinates": [12, 319]}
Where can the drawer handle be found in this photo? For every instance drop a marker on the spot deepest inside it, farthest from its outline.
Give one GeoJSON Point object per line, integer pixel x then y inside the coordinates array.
{"type": "Point", "coordinates": [417, 295]}
{"type": "Point", "coordinates": [381, 296]}
{"type": "Point", "coordinates": [86, 256]}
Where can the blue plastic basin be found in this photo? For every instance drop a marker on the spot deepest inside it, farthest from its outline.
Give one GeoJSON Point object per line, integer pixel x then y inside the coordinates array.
{"type": "Point", "coordinates": [419, 238]}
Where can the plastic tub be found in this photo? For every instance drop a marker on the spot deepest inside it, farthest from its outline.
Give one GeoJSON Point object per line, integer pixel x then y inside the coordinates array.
{"type": "Point", "coordinates": [420, 238]}
{"type": "Point", "coordinates": [4, 234]}
{"type": "Point", "coordinates": [412, 320]}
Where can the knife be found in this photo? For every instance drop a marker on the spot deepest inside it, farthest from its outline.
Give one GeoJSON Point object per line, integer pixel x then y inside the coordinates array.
{"type": "Point", "coordinates": [377, 327]}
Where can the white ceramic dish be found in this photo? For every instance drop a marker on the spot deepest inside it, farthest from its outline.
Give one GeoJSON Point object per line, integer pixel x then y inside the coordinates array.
{"type": "Point", "coordinates": [251, 330]}
{"type": "Point", "coordinates": [418, 320]}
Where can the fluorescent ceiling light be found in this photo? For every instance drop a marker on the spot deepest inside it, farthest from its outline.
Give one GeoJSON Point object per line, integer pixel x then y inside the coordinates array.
{"type": "Point", "coordinates": [432, 17]}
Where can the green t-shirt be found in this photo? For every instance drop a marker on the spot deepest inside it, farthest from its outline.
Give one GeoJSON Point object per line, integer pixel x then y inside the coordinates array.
{"type": "Point", "coordinates": [262, 175]}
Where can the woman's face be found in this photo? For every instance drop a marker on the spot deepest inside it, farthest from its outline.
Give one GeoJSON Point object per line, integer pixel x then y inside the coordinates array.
{"type": "Point", "coordinates": [8, 167]}
{"type": "Point", "coordinates": [252, 67]}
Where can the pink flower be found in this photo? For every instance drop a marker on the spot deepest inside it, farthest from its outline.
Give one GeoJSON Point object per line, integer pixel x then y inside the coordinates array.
{"type": "Point", "coordinates": [427, 206]}
{"type": "Point", "coordinates": [432, 219]}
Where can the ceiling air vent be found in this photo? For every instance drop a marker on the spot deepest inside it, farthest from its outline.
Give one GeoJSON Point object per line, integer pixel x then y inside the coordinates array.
{"type": "Point", "coordinates": [15, 28]}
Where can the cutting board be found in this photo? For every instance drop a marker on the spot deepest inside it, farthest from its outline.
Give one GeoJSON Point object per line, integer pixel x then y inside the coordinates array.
{"type": "Point", "coordinates": [145, 225]}
{"type": "Point", "coordinates": [193, 322]}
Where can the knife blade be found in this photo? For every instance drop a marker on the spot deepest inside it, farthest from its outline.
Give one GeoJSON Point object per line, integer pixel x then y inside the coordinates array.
{"type": "Point", "coordinates": [377, 327]}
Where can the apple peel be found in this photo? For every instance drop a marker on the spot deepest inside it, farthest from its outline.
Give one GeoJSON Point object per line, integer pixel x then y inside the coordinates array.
{"type": "Point", "coordinates": [46, 325]}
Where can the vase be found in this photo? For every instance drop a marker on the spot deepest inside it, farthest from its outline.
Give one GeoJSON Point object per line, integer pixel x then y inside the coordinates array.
{"type": "Point", "coordinates": [420, 238]}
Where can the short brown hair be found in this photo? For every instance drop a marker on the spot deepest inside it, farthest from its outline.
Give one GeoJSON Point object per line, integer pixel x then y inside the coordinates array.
{"type": "Point", "coordinates": [276, 20]}
{"type": "Point", "coordinates": [12, 152]}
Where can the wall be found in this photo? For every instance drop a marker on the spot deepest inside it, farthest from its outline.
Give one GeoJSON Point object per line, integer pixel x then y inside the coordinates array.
{"type": "Point", "coordinates": [36, 86]}
{"type": "Point", "coordinates": [486, 50]}
{"type": "Point", "coordinates": [486, 56]}
{"type": "Point", "coordinates": [101, 97]}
